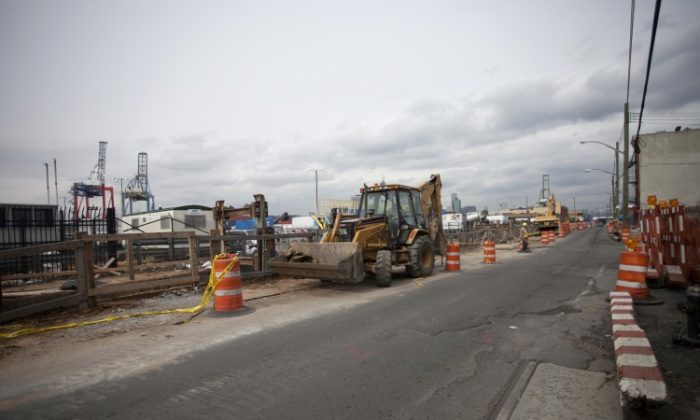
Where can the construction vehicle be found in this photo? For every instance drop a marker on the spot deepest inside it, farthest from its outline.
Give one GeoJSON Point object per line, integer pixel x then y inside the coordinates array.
{"type": "Point", "coordinates": [550, 212]}
{"type": "Point", "coordinates": [396, 225]}
{"type": "Point", "coordinates": [550, 219]}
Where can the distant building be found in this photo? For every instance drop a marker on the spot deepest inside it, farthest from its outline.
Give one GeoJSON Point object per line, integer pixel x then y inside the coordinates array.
{"type": "Point", "coordinates": [345, 206]}
{"type": "Point", "coordinates": [456, 203]}
{"type": "Point", "coordinates": [28, 224]}
{"type": "Point", "coordinates": [666, 166]}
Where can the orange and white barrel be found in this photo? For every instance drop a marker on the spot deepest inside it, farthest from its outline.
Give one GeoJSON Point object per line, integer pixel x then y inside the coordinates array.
{"type": "Point", "coordinates": [552, 238]}
{"type": "Point", "coordinates": [632, 274]}
{"type": "Point", "coordinates": [561, 233]}
{"type": "Point", "coordinates": [489, 252]}
{"type": "Point", "coordinates": [625, 234]}
{"type": "Point", "coordinates": [228, 295]}
{"type": "Point", "coordinates": [452, 257]}
{"type": "Point", "coordinates": [544, 238]}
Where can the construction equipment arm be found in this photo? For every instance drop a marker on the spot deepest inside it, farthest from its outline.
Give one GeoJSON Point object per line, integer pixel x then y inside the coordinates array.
{"type": "Point", "coordinates": [432, 209]}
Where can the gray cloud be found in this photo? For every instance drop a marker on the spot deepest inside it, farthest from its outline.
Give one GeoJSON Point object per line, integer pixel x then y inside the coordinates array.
{"type": "Point", "coordinates": [240, 101]}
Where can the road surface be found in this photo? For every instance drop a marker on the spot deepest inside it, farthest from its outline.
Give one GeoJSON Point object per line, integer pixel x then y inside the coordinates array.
{"type": "Point", "coordinates": [451, 346]}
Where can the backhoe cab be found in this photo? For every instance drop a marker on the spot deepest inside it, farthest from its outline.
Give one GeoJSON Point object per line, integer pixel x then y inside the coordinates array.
{"type": "Point", "coordinates": [395, 225]}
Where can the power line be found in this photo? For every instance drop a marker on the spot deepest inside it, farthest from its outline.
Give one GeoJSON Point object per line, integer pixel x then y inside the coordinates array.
{"type": "Point", "coordinates": [657, 9]}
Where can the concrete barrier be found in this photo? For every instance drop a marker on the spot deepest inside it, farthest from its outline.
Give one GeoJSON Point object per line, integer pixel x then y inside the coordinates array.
{"type": "Point", "coordinates": [640, 379]}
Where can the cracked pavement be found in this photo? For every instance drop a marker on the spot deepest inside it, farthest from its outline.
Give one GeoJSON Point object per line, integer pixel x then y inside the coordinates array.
{"type": "Point", "coordinates": [448, 346]}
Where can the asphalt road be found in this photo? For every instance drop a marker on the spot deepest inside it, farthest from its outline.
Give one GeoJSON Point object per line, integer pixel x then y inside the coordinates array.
{"type": "Point", "coordinates": [450, 348]}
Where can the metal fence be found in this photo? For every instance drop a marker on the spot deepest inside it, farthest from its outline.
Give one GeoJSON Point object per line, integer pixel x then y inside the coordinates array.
{"type": "Point", "coordinates": [54, 226]}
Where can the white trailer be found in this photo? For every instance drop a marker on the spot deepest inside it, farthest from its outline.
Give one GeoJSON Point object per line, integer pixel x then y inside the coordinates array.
{"type": "Point", "coordinates": [175, 219]}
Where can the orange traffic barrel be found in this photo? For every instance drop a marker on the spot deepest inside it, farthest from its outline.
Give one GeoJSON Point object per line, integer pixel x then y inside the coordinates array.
{"type": "Point", "coordinates": [625, 234]}
{"type": "Point", "coordinates": [228, 295]}
{"type": "Point", "coordinates": [561, 231]}
{"type": "Point", "coordinates": [489, 252]}
{"type": "Point", "coordinates": [544, 238]}
{"type": "Point", "coordinates": [452, 257]}
{"type": "Point", "coordinates": [632, 274]}
{"type": "Point", "coordinates": [551, 236]}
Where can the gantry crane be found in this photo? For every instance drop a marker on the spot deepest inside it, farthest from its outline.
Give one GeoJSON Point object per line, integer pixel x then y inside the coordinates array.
{"type": "Point", "coordinates": [138, 188]}
{"type": "Point", "coordinates": [94, 186]}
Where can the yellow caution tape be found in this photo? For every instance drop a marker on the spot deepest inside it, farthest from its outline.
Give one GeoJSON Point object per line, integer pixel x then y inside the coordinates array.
{"type": "Point", "coordinates": [206, 297]}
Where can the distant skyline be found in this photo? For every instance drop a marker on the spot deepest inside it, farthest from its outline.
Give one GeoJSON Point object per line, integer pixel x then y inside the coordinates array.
{"type": "Point", "coordinates": [234, 98]}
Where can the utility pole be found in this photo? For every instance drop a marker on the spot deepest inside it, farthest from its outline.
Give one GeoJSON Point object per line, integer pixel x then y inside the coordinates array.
{"type": "Point", "coordinates": [625, 170]}
{"type": "Point", "coordinates": [55, 179]}
{"type": "Point", "coordinates": [616, 189]}
{"type": "Point", "coordinates": [48, 192]}
{"type": "Point", "coordinates": [625, 173]}
{"type": "Point", "coordinates": [316, 171]}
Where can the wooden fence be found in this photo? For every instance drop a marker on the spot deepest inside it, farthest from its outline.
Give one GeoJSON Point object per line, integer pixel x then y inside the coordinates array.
{"type": "Point", "coordinates": [133, 276]}
{"type": "Point", "coordinates": [476, 237]}
{"type": "Point", "coordinates": [136, 275]}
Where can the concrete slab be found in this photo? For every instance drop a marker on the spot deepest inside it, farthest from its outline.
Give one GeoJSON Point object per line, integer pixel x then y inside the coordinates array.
{"type": "Point", "coordinates": [558, 393]}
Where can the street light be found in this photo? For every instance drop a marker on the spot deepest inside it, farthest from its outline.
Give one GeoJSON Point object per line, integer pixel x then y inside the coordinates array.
{"type": "Point", "coordinates": [616, 192]}
{"type": "Point", "coordinates": [601, 170]}
{"type": "Point", "coordinates": [615, 149]}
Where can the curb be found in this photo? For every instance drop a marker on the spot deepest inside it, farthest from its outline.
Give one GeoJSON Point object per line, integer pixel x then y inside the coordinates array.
{"type": "Point", "coordinates": [641, 382]}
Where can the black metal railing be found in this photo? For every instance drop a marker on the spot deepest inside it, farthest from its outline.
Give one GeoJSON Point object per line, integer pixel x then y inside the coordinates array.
{"type": "Point", "coordinates": [52, 227]}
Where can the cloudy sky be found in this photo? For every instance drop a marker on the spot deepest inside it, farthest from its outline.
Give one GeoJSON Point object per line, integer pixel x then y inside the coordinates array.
{"type": "Point", "coordinates": [233, 98]}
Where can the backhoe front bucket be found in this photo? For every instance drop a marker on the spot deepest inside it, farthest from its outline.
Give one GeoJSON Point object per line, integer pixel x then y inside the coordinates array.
{"type": "Point", "coordinates": [339, 262]}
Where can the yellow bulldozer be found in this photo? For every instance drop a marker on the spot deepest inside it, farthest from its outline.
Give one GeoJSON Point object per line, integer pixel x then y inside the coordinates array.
{"type": "Point", "coordinates": [396, 225]}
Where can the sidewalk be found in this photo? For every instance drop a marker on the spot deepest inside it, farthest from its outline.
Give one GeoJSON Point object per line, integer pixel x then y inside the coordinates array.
{"type": "Point", "coordinates": [556, 393]}
{"type": "Point", "coordinates": [680, 365]}
{"type": "Point", "coordinates": [550, 391]}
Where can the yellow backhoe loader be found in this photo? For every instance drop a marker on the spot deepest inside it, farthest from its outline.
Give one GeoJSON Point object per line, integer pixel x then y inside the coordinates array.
{"type": "Point", "coordinates": [395, 225]}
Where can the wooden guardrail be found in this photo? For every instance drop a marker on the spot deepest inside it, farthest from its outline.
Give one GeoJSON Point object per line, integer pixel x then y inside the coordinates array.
{"type": "Point", "coordinates": [84, 274]}
{"type": "Point", "coordinates": [476, 237]}
{"type": "Point", "coordinates": [85, 271]}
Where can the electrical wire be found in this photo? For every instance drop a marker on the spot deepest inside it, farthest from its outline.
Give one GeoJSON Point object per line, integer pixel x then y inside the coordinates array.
{"type": "Point", "coordinates": [657, 9]}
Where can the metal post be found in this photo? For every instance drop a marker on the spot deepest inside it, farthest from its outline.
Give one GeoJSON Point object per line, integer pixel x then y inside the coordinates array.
{"type": "Point", "coordinates": [261, 228]}
{"type": "Point", "coordinates": [80, 282]}
{"type": "Point", "coordinates": [48, 192]}
{"type": "Point", "coordinates": [194, 259]}
{"type": "Point", "coordinates": [316, 176]}
{"type": "Point", "coordinates": [130, 258]}
{"type": "Point", "coordinates": [612, 195]}
{"type": "Point", "coordinates": [625, 169]}
{"type": "Point", "coordinates": [55, 179]}
{"type": "Point", "coordinates": [112, 229]}
{"type": "Point", "coordinates": [316, 171]}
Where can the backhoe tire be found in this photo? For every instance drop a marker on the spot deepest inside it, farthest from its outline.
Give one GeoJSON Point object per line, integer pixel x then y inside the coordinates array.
{"type": "Point", "coordinates": [422, 257]}
{"type": "Point", "coordinates": [383, 268]}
